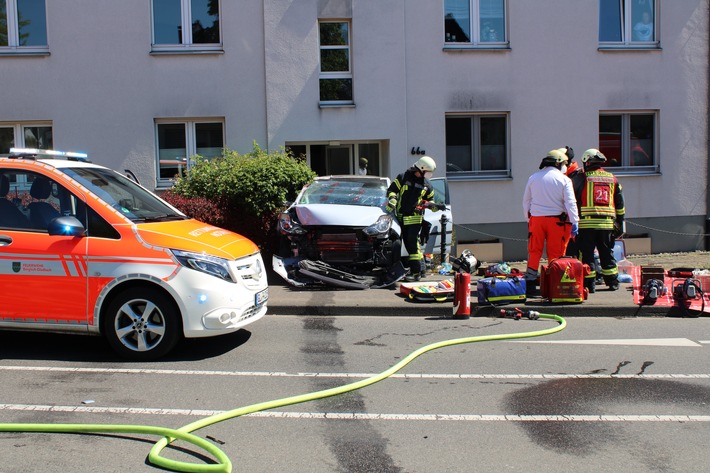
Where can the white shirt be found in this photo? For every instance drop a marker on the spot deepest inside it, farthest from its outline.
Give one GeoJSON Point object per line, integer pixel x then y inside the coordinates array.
{"type": "Point", "coordinates": [549, 193]}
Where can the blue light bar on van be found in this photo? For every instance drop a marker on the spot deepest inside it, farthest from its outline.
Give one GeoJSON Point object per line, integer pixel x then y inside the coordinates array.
{"type": "Point", "coordinates": [50, 152]}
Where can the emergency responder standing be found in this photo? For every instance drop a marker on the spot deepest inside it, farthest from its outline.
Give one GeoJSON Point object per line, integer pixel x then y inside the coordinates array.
{"type": "Point", "coordinates": [601, 211]}
{"type": "Point", "coordinates": [572, 169]}
{"type": "Point", "coordinates": [408, 195]}
{"type": "Point", "coordinates": [551, 211]}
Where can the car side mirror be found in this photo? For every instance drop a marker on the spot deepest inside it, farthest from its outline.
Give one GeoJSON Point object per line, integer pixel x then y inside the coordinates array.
{"type": "Point", "coordinates": [66, 226]}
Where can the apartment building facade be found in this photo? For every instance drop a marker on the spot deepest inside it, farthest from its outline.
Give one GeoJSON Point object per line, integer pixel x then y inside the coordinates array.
{"type": "Point", "coordinates": [486, 87]}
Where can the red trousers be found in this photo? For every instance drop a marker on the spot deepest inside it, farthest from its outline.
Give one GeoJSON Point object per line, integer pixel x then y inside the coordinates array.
{"type": "Point", "coordinates": [548, 230]}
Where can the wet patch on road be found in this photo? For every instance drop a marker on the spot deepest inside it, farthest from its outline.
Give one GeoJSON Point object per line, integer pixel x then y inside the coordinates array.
{"type": "Point", "coordinates": [600, 396]}
{"type": "Point", "coordinates": [356, 444]}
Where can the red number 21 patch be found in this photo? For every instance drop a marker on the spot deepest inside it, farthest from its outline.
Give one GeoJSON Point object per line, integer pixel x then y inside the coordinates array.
{"type": "Point", "coordinates": [601, 194]}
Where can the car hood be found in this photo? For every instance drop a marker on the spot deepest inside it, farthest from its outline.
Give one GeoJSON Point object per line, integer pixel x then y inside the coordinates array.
{"type": "Point", "coordinates": [337, 215]}
{"type": "Point", "coordinates": [193, 235]}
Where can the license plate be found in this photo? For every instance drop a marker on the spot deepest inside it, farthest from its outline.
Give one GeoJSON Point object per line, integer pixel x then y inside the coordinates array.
{"type": "Point", "coordinates": [261, 297]}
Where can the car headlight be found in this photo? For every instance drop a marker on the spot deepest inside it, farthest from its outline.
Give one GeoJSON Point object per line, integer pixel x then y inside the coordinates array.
{"type": "Point", "coordinates": [383, 225]}
{"type": "Point", "coordinates": [289, 225]}
{"type": "Point", "coordinates": [211, 265]}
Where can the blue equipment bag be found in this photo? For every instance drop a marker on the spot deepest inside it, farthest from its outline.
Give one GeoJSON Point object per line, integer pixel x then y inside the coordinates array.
{"type": "Point", "coordinates": [495, 291]}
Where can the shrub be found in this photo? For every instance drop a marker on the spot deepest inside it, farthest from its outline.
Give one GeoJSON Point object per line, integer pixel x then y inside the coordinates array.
{"type": "Point", "coordinates": [242, 192]}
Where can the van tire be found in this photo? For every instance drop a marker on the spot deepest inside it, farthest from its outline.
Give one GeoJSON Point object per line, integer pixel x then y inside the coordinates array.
{"type": "Point", "coordinates": [141, 323]}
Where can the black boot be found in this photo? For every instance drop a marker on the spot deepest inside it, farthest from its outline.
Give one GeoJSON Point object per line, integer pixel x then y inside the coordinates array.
{"type": "Point", "coordinates": [613, 284]}
{"type": "Point", "coordinates": [530, 288]}
{"type": "Point", "coordinates": [590, 285]}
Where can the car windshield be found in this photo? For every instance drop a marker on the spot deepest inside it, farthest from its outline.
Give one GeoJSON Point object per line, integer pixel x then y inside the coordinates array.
{"type": "Point", "coordinates": [349, 191]}
{"type": "Point", "coordinates": [124, 195]}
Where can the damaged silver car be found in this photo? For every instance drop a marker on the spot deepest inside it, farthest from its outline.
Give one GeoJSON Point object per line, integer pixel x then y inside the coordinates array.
{"type": "Point", "coordinates": [337, 232]}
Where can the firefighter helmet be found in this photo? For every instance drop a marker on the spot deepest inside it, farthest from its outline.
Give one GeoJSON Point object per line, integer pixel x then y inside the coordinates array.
{"type": "Point", "coordinates": [593, 156]}
{"type": "Point", "coordinates": [554, 157]}
{"type": "Point", "coordinates": [425, 164]}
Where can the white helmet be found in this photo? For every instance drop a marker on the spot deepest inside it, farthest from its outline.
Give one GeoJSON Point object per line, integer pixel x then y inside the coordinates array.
{"type": "Point", "coordinates": [593, 156]}
{"type": "Point", "coordinates": [426, 164]}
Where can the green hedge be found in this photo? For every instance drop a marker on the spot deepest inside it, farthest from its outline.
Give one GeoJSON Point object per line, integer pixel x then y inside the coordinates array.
{"type": "Point", "coordinates": [242, 192]}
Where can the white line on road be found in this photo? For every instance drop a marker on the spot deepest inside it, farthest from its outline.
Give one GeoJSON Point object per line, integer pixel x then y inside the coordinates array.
{"type": "Point", "coordinates": [364, 416]}
{"type": "Point", "coordinates": [280, 374]}
{"type": "Point", "coordinates": [654, 342]}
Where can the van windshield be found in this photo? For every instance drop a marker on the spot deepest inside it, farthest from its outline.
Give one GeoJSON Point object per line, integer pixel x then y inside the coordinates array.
{"type": "Point", "coordinates": [124, 195]}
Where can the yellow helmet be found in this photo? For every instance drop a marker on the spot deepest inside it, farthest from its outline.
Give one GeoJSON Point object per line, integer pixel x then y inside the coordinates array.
{"type": "Point", "coordinates": [593, 156]}
{"type": "Point", "coordinates": [554, 157]}
{"type": "Point", "coordinates": [426, 164]}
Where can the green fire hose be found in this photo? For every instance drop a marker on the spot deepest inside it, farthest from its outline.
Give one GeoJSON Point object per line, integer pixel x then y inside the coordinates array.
{"type": "Point", "coordinates": [222, 462]}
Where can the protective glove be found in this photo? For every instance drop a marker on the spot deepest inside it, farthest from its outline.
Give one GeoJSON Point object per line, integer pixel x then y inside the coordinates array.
{"type": "Point", "coordinates": [575, 229]}
{"type": "Point", "coordinates": [391, 204]}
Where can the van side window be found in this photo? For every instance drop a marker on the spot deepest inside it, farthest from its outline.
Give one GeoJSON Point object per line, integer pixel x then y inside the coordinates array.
{"type": "Point", "coordinates": [96, 226]}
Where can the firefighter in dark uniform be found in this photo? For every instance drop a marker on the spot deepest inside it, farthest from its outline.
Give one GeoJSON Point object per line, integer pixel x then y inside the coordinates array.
{"type": "Point", "coordinates": [408, 195]}
{"type": "Point", "coordinates": [601, 212]}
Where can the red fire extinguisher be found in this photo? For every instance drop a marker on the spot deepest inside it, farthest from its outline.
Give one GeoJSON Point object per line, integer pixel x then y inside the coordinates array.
{"type": "Point", "coordinates": [462, 295]}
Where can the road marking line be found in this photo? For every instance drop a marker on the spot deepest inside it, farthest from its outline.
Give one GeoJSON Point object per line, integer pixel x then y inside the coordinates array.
{"type": "Point", "coordinates": [362, 415]}
{"type": "Point", "coordinates": [657, 342]}
{"type": "Point", "coordinates": [281, 374]}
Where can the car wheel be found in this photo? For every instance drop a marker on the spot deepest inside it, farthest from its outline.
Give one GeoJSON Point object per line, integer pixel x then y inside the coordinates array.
{"type": "Point", "coordinates": [142, 323]}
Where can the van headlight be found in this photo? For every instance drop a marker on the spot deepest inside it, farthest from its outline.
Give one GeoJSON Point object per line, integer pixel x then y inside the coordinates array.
{"type": "Point", "coordinates": [205, 263]}
{"type": "Point", "coordinates": [383, 225]}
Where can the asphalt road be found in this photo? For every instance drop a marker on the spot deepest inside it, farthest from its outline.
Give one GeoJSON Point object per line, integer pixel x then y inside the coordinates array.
{"type": "Point", "coordinates": [605, 394]}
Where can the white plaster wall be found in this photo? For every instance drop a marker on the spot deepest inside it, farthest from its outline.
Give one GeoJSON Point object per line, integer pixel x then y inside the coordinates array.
{"type": "Point", "coordinates": [554, 82]}
{"type": "Point", "coordinates": [102, 89]}
{"type": "Point", "coordinates": [292, 55]}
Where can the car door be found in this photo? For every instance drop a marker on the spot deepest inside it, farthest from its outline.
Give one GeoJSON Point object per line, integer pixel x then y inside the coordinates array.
{"type": "Point", "coordinates": [442, 222]}
{"type": "Point", "coordinates": [43, 277]}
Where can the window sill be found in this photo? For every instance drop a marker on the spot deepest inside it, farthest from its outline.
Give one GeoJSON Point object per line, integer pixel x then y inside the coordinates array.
{"type": "Point", "coordinates": [629, 47]}
{"type": "Point", "coordinates": [336, 105]}
{"type": "Point", "coordinates": [476, 47]}
{"type": "Point", "coordinates": [185, 50]}
{"type": "Point", "coordinates": [23, 52]}
{"type": "Point", "coordinates": [633, 173]}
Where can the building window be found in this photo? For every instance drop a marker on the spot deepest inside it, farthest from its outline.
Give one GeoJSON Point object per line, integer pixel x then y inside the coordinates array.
{"type": "Point", "coordinates": [475, 22]}
{"type": "Point", "coordinates": [628, 23]}
{"type": "Point", "coordinates": [178, 141]}
{"type": "Point", "coordinates": [340, 158]}
{"type": "Point", "coordinates": [335, 81]}
{"type": "Point", "coordinates": [186, 24]}
{"type": "Point", "coordinates": [23, 26]}
{"type": "Point", "coordinates": [628, 140]}
{"type": "Point", "coordinates": [477, 146]}
{"type": "Point", "coordinates": [25, 135]}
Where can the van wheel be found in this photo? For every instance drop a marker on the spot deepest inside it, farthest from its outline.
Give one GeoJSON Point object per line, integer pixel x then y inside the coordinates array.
{"type": "Point", "coordinates": [141, 323]}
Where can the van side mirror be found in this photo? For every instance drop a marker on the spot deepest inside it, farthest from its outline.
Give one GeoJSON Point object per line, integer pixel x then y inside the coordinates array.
{"type": "Point", "coordinates": [66, 226]}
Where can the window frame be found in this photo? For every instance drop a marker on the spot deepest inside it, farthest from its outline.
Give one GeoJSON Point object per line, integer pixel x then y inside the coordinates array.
{"type": "Point", "coordinates": [187, 45]}
{"type": "Point", "coordinates": [14, 48]}
{"type": "Point", "coordinates": [333, 75]}
{"type": "Point", "coordinates": [475, 29]}
{"type": "Point", "coordinates": [627, 42]}
{"type": "Point", "coordinates": [18, 129]}
{"type": "Point", "coordinates": [626, 168]}
{"type": "Point", "coordinates": [476, 173]}
{"type": "Point", "coordinates": [190, 143]}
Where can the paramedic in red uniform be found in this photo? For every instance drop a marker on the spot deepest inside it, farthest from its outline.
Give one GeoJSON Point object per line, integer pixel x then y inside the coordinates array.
{"type": "Point", "coordinates": [551, 210]}
{"type": "Point", "coordinates": [601, 211]}
{"type": "Point", "coordinates": [408, 195]}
